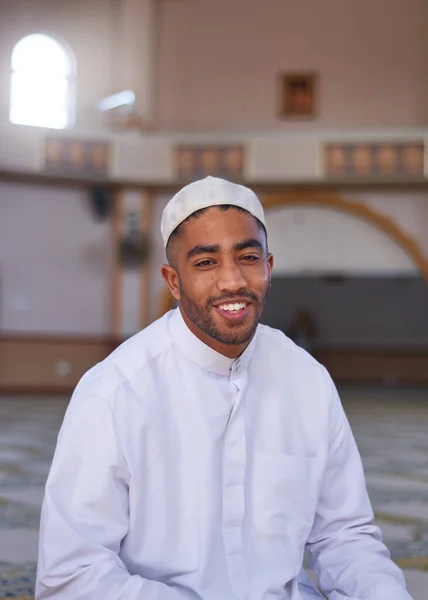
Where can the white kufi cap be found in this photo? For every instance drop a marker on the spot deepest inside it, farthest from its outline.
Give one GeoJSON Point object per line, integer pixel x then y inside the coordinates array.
{"type": "Point", "coordinates": [211, 191]}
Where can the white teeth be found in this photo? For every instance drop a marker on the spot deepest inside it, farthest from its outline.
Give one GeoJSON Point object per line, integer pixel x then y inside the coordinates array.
{"type": "Point", "coordinates": [231, 307]}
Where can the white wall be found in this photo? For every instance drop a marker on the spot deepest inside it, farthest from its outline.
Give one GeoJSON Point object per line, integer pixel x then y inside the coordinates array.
{"type": "Point", "coordinates": [320, 239]}
{"type": "Point", "coordinates": [408, 209]}
{"type": "Point", "coordinates": [311, 239]}
{"type": "Point", "coordinates": [88, 27]}
{"type": "Point", "coordinates": [55, 262]}
{"type": "Point", "coordinates": [218, 62]}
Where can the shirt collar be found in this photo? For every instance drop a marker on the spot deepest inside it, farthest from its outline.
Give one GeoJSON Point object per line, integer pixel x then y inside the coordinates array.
{"type": "Point", "coordinates": [200, 353]}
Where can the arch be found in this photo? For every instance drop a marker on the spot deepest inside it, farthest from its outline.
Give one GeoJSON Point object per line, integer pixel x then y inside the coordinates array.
{"type": "Point", "coordinates": [359, 210]}
{"type": "Point", "coordinates": [354, 208]}
{"type": "Point", "coordinates": [42, 75]}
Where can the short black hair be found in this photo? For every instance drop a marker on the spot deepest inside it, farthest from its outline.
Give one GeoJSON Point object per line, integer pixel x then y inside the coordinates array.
{"type": "Point", "coordinates": [179, 229]}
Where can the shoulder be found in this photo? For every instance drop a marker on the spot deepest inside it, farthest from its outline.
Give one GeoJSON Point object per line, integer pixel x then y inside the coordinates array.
{"type": "Point", "coordinates": [275, 341]}
{"type": "Point", "coordinates": [280, 349]}
{"type": "Point", "coordinates": [128, 360]}
{"type": "Point", "coordinates": [304, 381]}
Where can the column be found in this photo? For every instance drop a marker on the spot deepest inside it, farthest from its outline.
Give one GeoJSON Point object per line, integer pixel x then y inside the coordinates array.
{"type": "Point", "coordinates": [130, 292]}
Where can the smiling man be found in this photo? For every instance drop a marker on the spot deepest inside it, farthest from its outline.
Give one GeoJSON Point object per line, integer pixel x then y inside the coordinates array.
{"type": "Point", "coordinates": [219, 267]}
{"type": "Point", "coordinates": [202, 458]}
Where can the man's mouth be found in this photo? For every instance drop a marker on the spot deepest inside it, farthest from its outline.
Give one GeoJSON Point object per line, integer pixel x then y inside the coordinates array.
{"type": "Point", "coordinates": [233, 311]}
{"type": "Point", "coordinates": [233, 307]}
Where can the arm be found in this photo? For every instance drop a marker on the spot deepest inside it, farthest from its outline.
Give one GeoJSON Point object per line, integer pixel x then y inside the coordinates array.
{"type": "Point", "coordinates": [348, 555]}
{"type": "Point", "coordinates": [85, 514]}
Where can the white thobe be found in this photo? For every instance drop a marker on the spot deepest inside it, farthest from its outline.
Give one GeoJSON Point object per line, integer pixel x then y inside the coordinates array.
{"type": "Point", "coordinates": [181, 474]}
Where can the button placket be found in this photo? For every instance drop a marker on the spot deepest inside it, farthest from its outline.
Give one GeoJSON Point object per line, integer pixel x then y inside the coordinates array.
{"type": "Point", "coordinates": [233, 492]}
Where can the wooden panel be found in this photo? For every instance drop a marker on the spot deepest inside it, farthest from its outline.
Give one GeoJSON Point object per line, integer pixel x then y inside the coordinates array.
{"type": "Point", "coordinates": [196, 162]}
{"type": "Point", "coordinates": [384, 160]}
{"type": "Point", "coordinates": [47, 364]}
{"type": "Point", "coordinates": [77, 157]}
{"type": "Point", "coordinates": [378, 367]}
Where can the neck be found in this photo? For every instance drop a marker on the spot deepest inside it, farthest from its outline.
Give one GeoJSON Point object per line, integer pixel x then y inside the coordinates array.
{"type": "Point", "coordinates": [229, 350]}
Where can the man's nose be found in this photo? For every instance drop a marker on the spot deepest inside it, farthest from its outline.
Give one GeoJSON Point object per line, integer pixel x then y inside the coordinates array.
{"type": "Point", "coordinates": [231, 278]}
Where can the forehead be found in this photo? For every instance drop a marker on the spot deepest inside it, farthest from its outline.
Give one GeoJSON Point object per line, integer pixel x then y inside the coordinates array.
{"type": "Point", "coordinates": [220, 227]}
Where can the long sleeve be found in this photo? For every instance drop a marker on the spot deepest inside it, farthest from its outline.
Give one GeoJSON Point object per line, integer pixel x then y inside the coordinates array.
{"type": "Point", "coordinates": [348, 555]}
{"type": "Point", "coordinates": [85, 514]}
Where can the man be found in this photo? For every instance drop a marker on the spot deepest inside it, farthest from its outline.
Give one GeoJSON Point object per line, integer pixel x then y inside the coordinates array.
{"type": "Point", "coordinates": [205, 454]}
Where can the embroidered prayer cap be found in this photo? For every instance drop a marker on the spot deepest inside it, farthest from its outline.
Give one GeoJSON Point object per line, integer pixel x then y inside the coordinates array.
{"type": "Point", "coordinates": [211, 191]}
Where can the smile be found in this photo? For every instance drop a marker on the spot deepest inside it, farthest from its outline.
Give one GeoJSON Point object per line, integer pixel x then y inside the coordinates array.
{"type": "Point", "coordinates": [235, 312]}
{"type": "Point", "coordinates": [233, 307]}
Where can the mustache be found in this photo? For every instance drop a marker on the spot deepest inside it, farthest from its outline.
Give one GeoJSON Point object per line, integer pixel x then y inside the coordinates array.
{"type": "Point", "coordinates": [233, 296]}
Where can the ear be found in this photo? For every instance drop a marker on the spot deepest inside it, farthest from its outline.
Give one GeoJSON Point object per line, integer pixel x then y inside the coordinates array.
{"type": "Point", "coordinates": [270, 264]}
{"type": "Point", "coordinates": [172, 280]}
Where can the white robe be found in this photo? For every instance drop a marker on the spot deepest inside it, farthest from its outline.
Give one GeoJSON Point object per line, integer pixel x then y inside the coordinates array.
{"type": "Point", "coordinates": [182, 474]}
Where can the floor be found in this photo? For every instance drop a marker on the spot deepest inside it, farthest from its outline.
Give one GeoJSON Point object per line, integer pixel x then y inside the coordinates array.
{"type": "Point", "coordinates": [390, 426]}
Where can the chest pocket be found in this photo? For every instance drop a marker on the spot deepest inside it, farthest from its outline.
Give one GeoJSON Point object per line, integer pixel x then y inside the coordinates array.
{"type": "Point", "coordinates": [284, 495]}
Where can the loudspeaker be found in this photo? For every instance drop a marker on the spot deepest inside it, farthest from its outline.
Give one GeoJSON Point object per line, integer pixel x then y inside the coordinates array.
{"type": "Point", "coordinates": [101, 199]}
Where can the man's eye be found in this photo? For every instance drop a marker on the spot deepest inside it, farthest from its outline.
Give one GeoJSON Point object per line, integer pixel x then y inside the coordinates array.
{"type": "Point", "coordinates": [250, 258]}
{"type": "Point", "coordinates": [205, 263]}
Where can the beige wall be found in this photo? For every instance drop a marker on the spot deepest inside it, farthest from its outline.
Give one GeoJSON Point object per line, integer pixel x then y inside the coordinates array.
{"type": "Point", "coordinates": [86, 26]}
{"type": "Point", "coordinates": [55, 262]}
{"type": "Point", "coordinates": [218, 62]}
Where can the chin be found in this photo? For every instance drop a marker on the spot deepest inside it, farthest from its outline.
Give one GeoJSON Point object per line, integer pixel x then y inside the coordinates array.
{"type": "Point", "coordinates": [235, 336]}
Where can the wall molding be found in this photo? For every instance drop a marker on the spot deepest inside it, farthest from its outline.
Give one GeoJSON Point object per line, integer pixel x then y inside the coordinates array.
{"type": "Point", "coordinates": [268, 158]}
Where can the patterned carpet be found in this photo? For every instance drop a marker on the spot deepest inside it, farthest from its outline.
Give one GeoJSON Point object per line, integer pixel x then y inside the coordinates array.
{"type": "Point", "coordinates": [17, 581]}
{"type": "Point", "coordinates": [391, 431]}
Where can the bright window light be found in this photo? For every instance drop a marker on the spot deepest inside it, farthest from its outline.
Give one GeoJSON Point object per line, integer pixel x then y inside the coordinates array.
{"type": "Point", "coordinates": [40, 83]}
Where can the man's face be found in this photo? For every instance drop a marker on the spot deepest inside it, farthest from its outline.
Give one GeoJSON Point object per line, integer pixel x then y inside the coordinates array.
{"type": "Point", "coordinates": [221, 277]}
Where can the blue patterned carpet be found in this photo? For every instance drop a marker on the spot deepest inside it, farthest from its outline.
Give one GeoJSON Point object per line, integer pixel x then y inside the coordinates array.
{"type": "Point", "coordinates": [17, 581]}
{"type": "Point", "coordinates": [391, 429]}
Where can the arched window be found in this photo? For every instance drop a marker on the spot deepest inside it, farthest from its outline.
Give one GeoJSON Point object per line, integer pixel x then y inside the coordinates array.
{"type": "Point", "coordinates": [41, 83]}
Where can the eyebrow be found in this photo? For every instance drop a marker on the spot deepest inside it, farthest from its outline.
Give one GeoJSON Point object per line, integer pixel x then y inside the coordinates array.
{"type": "Point", "coordinates": [201, 249]}
{"type": "Point", "coordinates": [250, 243]}
{"type": "Point", "coordinates": [212, 249]}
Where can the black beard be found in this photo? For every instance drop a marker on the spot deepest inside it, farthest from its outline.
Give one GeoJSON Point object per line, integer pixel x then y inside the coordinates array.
{"type": "Point", "coordinates": [201, 317]}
